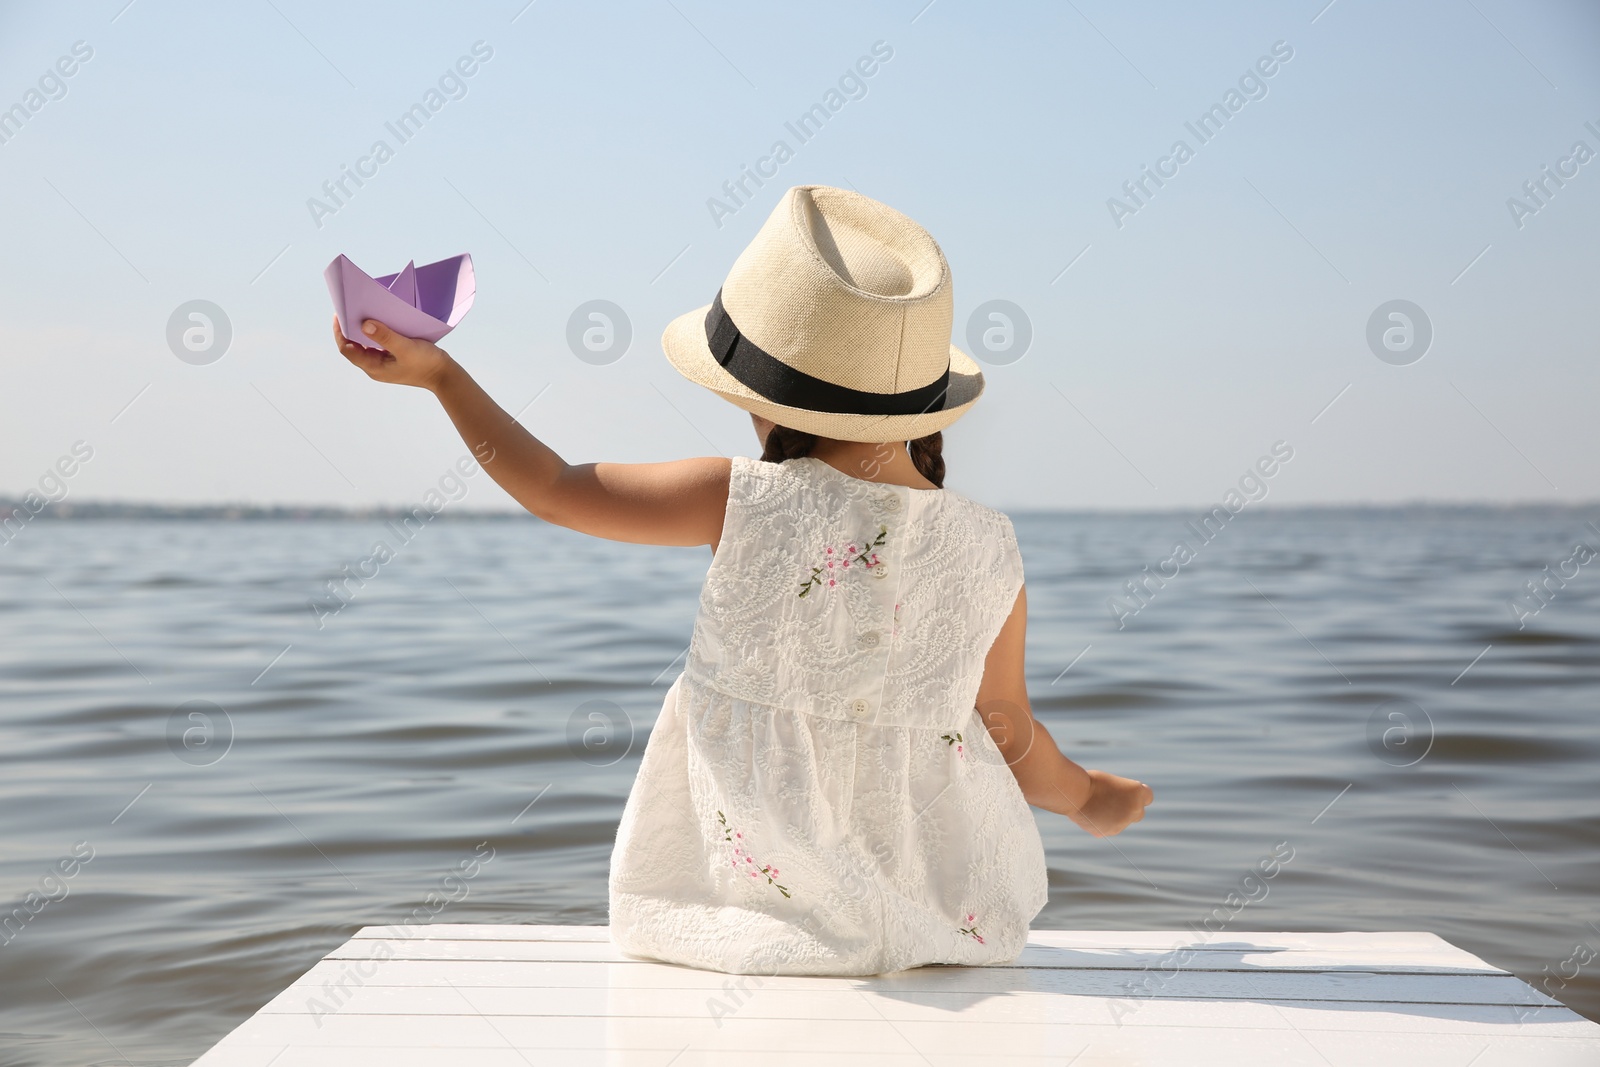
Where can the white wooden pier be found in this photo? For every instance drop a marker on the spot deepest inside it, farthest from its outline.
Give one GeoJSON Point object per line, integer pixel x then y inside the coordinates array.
{"type": "Point", "coordinates": [511, 996]}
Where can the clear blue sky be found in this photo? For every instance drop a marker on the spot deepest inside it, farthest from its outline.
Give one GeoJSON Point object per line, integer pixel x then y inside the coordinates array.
{"type": "Point", "coordinates": [1223, 315]}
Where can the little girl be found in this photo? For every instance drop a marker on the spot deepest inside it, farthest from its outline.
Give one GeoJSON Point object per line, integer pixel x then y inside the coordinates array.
{"type": "Point", "coordinates": [839, 780]}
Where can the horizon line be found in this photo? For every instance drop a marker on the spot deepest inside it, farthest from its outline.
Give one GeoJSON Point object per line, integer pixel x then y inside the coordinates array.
{"type": "Point", "coordinates": [151, 510]}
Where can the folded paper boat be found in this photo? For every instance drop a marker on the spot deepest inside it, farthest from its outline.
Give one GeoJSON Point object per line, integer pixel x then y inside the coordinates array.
{"type": "Point", "coordinates": [424, 302]}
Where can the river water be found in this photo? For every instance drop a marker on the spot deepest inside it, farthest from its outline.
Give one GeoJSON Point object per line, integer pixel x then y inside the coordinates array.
{"type": "Point", "coordinates": [208, 786]}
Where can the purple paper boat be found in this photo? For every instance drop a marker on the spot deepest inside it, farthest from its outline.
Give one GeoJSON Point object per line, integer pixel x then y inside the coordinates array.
{"type": "Point", "coordinates": [425, 302]}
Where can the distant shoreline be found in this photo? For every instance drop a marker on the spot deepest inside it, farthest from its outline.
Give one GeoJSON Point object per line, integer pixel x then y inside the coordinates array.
{"type": "Point", "coordinates": [155, 512]}
{"type": "Point", "coordinates": [93, 510]}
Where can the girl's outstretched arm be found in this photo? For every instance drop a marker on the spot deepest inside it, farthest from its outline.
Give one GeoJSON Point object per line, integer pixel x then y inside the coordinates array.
{"type": "Point", "coordinates": [676, 503]}
{"type": "Point", "coordinates": [1098, 801]}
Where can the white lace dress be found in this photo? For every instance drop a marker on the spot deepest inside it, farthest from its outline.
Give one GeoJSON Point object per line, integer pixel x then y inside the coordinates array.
{"type": "Point", "coordinates": [818, 794]}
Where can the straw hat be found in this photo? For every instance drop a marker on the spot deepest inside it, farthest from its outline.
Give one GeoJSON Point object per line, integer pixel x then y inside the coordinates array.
{"type": "Point", "coordinates": [834, 320]}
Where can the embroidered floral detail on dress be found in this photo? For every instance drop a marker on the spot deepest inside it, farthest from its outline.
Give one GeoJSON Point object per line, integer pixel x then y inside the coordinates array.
{"type": "Point", "coordinates": [971, 930]}
{"type": "Point", "coordinates": [743, 861]}
{"type": "Point", "coordinates": [955, 739]}
{"type": "Point", "coordinates": [836, 561]}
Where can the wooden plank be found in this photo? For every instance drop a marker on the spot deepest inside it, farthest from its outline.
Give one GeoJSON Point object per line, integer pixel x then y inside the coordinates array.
{"type": "Point", "coordinates": [1494, 1052]}
{"type": "Point", "coordinates": [1423, 948]}
{"type": "Point", "coordinates": [1269, 954]}
{"type": "Point", "coordinates": [762, 1003]}
{"type": "Point", "coordinates": [1267, 1035]}
{"type": "Point", "coordinates": [485, 996]}
{"type": "Point", "coordinates": [590, 988]}
{"type": "Point", "coordinates": [1079, 938]}
{"type": "Point", "coordinates": [1154, 965]}
{"type": "Point", "coordinates": [643, 974]}
{"type": "Point", "coordinates": [394, 1056]}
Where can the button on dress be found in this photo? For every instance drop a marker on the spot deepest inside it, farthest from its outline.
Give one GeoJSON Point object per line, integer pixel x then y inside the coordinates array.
{"type": "Point", "coordinates": [818, 794]}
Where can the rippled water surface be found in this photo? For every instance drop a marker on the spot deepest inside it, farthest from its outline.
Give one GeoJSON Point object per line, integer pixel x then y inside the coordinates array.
{"type": "Point", "coordinates": [235, 790]}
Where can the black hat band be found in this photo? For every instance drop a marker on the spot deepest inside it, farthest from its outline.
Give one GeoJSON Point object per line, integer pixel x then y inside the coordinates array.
{"type": "Point", "coordinates": [782, 384]}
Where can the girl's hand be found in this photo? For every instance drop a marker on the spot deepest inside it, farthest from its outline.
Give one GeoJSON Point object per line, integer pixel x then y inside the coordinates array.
{"type": "Point", "coordinates": [397, 360]}
{"type": "Point", "coordinates": [1114, 804]}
